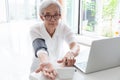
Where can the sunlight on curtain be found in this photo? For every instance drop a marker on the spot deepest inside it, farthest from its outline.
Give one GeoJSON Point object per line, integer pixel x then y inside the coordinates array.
{"type": "Point", "coordinates": [22, 9]}
{"type": "Point", "coordinates": [2, 11]}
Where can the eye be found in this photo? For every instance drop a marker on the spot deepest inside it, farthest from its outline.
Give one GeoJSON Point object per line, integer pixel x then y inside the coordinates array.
{"type": "Point", "coordinates": [56, 14]}
{"type": "Point", "coordinates": [47, 16]}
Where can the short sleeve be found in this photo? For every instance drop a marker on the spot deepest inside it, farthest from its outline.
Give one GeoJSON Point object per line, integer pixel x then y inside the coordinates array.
{"type": "Point", "coordinates": [69, 35]}
{"type": "Point", "coordinates": [38, 41]}
{"type": "Point", "coordinates": [35, 32]}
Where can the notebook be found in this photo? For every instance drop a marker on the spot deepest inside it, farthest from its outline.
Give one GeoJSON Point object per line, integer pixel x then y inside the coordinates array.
{"type": "Point", "coordinates": [103, 54]}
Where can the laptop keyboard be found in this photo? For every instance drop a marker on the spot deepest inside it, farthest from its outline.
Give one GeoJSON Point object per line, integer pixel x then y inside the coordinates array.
{"type": "Point", "coordinates": [81, 65]}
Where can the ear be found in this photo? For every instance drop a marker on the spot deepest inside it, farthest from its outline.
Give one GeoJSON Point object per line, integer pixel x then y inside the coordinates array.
{"type": "Point", "coordinates": [42, 18]}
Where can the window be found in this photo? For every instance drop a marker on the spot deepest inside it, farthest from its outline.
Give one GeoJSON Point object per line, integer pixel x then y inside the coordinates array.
{"type": "Point", "coordinates": [85, 17]}
{"type": "Point", "coordinates": [21, 9]}
{"type": "Point", "coordinates": [93, 17]}
{"type": "Point", "coordinates": [72, 14]}
{"type": "Point", "coordinates": [18, 10]}
{"type": "Point", "coordinates": [2, 11]}
{"type": "Point", "coordinates": [100, 17]}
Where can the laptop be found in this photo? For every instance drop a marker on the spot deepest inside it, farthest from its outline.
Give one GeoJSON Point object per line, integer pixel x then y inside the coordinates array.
{"type": "Point", "coordinates": [103, 54]}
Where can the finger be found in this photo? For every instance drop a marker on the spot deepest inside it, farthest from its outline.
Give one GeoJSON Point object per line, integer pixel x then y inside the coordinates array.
{"type": "Point", "coordinates": [60, 61]}
{"type": "Point", "coordinates": [49, 73]}
{"type": "Point", "coordinates": [74, 61]}
{"type": "Point", "coordinates": [69, 60]}
{"type": "Point", "coordinates": [65, 62]}
{"type": "Point", "coordinates": [38, 70]}
{"type": "Point", "coordinates": [54, 73]}
{"type": "Point", "coordinates": [51, 76]}
{"type": "Point", "coordinates": [45, 73]}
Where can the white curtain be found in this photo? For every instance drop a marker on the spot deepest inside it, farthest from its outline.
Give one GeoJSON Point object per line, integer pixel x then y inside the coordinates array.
{"type": "Point", "coordinates": [2, 11]}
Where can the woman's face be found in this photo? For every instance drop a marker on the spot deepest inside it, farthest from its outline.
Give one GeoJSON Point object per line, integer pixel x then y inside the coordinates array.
{"type": "Point", "coordinates": [51, 16]}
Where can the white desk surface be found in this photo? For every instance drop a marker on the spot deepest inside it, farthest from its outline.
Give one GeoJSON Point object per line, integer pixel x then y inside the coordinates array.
{"type": "Point", "coordinates": [109, 74]}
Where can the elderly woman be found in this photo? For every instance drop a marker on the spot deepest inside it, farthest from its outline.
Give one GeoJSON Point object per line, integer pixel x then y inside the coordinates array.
{"type": "Point", "coordinates": [48, 41]}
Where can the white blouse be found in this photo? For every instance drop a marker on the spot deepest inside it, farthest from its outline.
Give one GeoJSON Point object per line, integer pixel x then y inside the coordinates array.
{"type": "Point", "coordinates": [55, 44]}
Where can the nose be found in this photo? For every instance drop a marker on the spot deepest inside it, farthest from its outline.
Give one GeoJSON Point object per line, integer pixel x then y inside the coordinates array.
{"type": "Point", "coordinates": [52, 18]}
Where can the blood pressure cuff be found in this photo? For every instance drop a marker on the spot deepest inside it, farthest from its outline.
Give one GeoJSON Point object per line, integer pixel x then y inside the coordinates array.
{"type": "Point", "coordinates": [39, 44]}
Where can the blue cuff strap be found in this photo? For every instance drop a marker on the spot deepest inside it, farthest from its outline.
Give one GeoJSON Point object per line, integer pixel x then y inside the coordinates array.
{"type": "Point", "coordinates": [38, 44]}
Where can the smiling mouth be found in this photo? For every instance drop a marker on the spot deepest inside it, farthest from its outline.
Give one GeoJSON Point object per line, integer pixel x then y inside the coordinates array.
{"type": "Point", "coordinates": [52, 24]}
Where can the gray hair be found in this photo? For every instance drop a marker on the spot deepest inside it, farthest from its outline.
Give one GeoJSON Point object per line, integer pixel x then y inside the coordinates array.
{"type": "Point", "coordinates": [45, 3]}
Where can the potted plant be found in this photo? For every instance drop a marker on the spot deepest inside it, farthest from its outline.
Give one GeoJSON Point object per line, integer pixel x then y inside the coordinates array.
{"type": "Point", "coordinates": [108, 15]}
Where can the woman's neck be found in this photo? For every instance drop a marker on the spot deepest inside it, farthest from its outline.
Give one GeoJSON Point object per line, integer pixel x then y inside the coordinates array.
{"type": "Point", "coordinates": [50, 31]}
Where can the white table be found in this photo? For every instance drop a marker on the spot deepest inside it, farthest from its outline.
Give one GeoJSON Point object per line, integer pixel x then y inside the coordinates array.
{"type": "Point", "coordinates": [109, 74]}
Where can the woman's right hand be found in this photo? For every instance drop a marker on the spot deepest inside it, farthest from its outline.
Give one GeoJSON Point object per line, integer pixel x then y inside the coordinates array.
{"type": "Point", "coordinates": [48, 70]}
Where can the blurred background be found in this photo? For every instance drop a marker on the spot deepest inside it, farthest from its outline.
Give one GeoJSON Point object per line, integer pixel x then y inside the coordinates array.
{"type": "Point", "coordinates": [88, 19]}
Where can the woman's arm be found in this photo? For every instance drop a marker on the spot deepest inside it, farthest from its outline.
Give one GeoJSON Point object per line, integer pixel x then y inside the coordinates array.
{"type": "Point", "coordinates": [41, 53]}
{"type": "Point", "coordinates": [46, 67]}
{"type": "Point", "coordinates": [75, 48]}
{"type": "Point", "coordinates": [69, 58]}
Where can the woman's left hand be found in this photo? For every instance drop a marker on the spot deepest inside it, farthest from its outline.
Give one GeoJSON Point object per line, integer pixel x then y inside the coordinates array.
{"type": "Point", "coordinates": [68, 59]}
